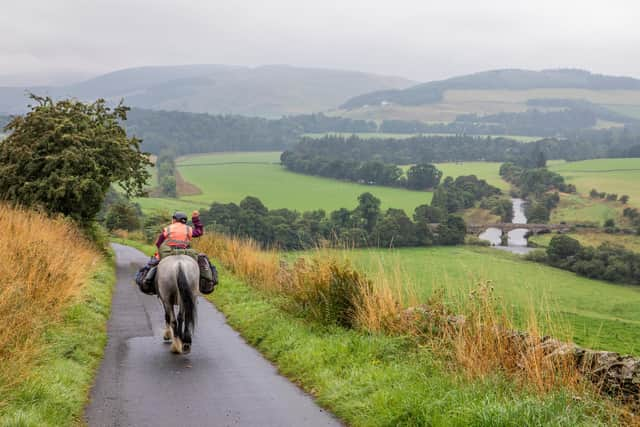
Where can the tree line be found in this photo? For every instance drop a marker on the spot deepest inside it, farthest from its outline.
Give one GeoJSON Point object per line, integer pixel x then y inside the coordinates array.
{"type": "Point", "coordinates": [569, 116]}
{"type": "Point", "coordinates": [366, 225]}
{"type": "Point", "coordinates": [422, 176]}
{"type": "Point", "coordinates": [315, 153]}
{"type": "Point", "coordinates": [187, 133]}
{"type": "Point", "coordinates": [607, 262]}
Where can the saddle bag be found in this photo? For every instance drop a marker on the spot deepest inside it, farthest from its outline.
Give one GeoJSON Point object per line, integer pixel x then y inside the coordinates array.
{"type": "Point", "coordinates": [208, 275]}
{"type": "Point", "coordinates": [147, 286]}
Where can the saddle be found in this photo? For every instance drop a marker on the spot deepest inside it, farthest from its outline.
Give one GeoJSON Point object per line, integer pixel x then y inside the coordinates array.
{"type": "Point", "coordinates": [146, 280]}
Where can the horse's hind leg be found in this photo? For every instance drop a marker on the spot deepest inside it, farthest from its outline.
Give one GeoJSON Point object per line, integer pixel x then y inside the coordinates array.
{"type": "Point", "coordinates": [168, 336]}
{"type": "Point", "coordinates": [186, 332]}
{"type": "Point", "coordinates": [170, 318]}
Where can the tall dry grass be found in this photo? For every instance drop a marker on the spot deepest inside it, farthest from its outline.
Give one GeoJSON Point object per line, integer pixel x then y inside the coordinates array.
{"type": "Point", "coordinates": [481, 342]}
{"type": "Point", "coordinates": [43, 267]}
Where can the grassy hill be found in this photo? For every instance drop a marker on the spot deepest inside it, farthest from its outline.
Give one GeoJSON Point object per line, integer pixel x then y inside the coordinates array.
{"type": "Point", "coordinates": [493, 92]}
{"type": "Point", "coordinates": [271, 90]}
{"type": "Point", "coordinates": [230, 177]}
{"type": "Point", "coordinates": [619, 176]}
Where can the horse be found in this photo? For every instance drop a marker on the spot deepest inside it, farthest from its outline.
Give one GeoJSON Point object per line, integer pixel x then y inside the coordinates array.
{"type": "Point", "coordinates": [177, 278]}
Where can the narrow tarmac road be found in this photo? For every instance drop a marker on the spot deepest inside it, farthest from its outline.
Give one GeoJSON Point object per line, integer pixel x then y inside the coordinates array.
{"type": "Point", "coordinates": [222, 382]}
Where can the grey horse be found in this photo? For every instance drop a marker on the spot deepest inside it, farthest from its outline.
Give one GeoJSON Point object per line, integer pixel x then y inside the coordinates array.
{"type": "Point", "coordinates": [178, 277]}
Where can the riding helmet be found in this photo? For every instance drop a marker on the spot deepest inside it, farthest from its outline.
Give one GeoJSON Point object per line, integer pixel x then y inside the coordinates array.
{"type": "Point", "coordinates": [180, 216]}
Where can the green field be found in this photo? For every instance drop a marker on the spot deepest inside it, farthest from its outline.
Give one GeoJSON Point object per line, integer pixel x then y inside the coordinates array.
{"type": "Point", "coordinates": [230, 177]}
{"type": "Point", "coordinates": [620, 176]}
{"type": "Point", "coordinates": [575, 208]}
{"type": "Point", "coordinates": [596, 314]}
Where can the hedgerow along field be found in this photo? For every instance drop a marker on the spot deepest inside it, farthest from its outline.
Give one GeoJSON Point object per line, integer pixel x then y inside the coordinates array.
{"type": "Point", "coordinates": [593, 313]}
{"type": "Point", "coordinates": [381, 135]}
{"type": "Point", "coordinates": [230, 177]}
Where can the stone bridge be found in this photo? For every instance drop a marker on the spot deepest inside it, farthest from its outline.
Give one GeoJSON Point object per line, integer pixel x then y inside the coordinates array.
{"type": "Point", "coordinates": [508, 226]}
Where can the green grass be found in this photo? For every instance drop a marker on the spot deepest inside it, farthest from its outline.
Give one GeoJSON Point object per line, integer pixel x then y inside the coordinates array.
{"type": "Point", "coordinates": [619, 176]}
{"type": "Point", "coordinates": [595, 314]}
{"type": "Point", "coordinates": [230, 177]}
{"type": "Point", "coordinates": [575, 208]}
{"type": "Point", "coordinates": [373, 380]}
{"type": "Point", "coordinates": [236, 157]}
{"type": "Point", "coordinates": [56, 391]}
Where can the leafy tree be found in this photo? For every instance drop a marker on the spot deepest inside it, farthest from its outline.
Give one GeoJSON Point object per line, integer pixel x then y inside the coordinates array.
{"type": "Point", "coordinates": [122, 215]}
{"type": "Point", "coordinates": [168, 186]}
{"type": "Point", "coordinates": [562, 247]}
{"type": "Point", "coordinates": [395, 229]}
{"type": "Point", "coordinates": [63, 156]}
{"type": "Point", "coordinates": [429, 214]}
{"type": "Point", "coordinates": [368, 210]}
{"type": "Point", "coordinates": [624, 199]}
{"type": "Point", "coordinates": [452, 232]}
{"type": "Point", "coordinates": [423, 176]}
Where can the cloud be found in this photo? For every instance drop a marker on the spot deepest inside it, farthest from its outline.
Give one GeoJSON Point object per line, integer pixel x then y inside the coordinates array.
{"type": "Point", "coordinates": [413, 38]}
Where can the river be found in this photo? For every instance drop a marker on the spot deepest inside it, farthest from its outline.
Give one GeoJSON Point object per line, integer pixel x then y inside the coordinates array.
{"type": "Point", "coordinates": [517, 242]}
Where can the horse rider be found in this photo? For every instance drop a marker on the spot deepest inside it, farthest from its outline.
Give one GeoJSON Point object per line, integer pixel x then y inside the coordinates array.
{"type": "Point", "coordinates": [176, 235]}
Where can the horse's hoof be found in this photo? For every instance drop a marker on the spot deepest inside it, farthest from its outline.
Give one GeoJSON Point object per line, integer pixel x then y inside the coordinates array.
{"type": "Point", "coordinates": [186, 348]}
{"type": "Point", "coordinates": [166, 338]}
{"type": "Point", "coordinates": [176, 348]}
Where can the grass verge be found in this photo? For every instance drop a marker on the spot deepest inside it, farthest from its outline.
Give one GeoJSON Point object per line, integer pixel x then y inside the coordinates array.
{"type": "Point", "coordinates": [55, 391]}
{"type": "Point", "coordinates": [380, 380]}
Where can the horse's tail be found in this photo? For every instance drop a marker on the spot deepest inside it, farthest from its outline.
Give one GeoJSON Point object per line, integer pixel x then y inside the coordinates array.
{"type": "Point", "coordinates": [188, 300]}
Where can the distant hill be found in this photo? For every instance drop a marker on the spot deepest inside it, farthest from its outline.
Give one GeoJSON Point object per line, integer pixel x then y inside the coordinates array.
{"type": "Point", "coordinates": [268, 91]}
{"type": "Point", "coordinates": [509, 79]}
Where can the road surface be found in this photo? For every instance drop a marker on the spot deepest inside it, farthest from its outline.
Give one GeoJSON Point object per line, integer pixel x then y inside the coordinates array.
{"type": "Point", "coordinates": [222, 382]}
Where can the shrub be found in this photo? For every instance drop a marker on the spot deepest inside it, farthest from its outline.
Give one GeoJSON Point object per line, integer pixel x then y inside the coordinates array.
{"type": "Point", "coordinates": [562, 247]}
{"type": "Point", "coordinates": [476, 241]}
{"type": "Point", "coordinates": [122, 215]}
{"type": "Point", "coordinates": [539, 255]}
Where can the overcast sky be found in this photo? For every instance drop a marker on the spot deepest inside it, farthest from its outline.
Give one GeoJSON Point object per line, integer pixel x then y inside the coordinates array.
{"type": "Point", "coordinates": [418, 39]}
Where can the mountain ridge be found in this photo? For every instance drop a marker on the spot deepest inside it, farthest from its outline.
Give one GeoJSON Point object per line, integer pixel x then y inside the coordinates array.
{"type": "Point", "coordinates": [267, 90]}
